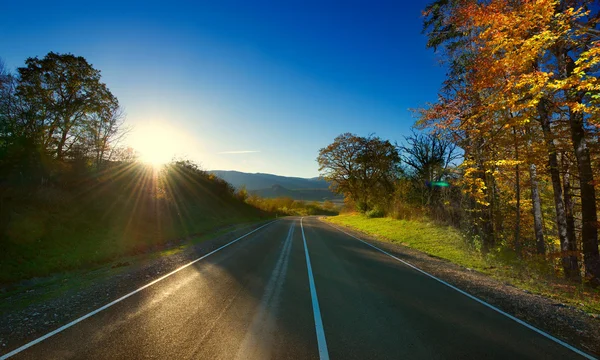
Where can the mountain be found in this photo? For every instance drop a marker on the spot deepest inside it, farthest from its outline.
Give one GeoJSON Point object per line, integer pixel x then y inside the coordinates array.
{"type": "Point", "coordinates": [299, 194]}
{"type": "Point", "coordinates": [270, 186]}
{"type": "Point", "coordinates": [259, 181]}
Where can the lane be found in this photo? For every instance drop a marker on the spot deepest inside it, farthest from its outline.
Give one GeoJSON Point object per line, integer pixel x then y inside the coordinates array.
{"type": "Point", "coordinates": [246, 301]}
{"type": "Point", "coordinates": [378, 308]}
{"type": "Point", "coordinates": [321, 341]}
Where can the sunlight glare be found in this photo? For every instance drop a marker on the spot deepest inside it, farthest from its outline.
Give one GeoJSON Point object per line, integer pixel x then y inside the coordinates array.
{"type": "Point", "coordinates": [158, 143]}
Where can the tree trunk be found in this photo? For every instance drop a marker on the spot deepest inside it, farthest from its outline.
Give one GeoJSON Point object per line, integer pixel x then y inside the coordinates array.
{"type": "Point", "coordinates": [561, 218]}
{"type": "Point", "coordinates": [589, 217]}
{"type": "Point", "coordinates": [518, 197]}
{"type": "Point", "coordinates": [61, 145]}
{"type": "Point", "coordinates": [574, 263]}
{"type": "Point", "coordinates": [487, 217]}
{"type": "Point", "coordinates": [536, 202]}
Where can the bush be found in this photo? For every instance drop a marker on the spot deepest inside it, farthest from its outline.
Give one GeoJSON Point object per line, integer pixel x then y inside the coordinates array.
{"type": "Point", "coordinates": [375, 213]}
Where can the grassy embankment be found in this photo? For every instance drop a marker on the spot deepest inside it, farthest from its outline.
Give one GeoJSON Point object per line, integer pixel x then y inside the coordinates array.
{"type": "Point", "coordinates": [127, 209]}
{"type": "Point", "coordinates": [449, 244]}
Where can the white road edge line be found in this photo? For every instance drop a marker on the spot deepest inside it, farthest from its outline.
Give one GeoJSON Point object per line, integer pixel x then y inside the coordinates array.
{"type": "Point", "coordinates": [531, 327]}
{"type": "Point", "coordinates": [64, 327]}
{"type": "Point", "coordinates": [321, 342]}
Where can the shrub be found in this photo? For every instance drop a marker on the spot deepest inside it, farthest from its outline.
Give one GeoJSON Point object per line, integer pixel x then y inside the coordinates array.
{"type": "Point", "coordinates": [375, 213]}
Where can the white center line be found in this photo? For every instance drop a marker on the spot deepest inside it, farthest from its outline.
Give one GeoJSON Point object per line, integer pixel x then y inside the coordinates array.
{"type": "Point", "coordinates": [257, 343]}
{"type": "Point", "coordinates": [322, 344]}
{"type": "Point", "coordinates": [64, 327]}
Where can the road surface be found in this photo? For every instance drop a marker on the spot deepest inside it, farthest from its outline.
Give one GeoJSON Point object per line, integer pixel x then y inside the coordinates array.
{"type": "Point", "coordinates": [298, 291]}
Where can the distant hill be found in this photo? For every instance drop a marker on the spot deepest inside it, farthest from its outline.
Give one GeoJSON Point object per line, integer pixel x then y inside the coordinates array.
{"type": "Point", "coordinates": [271, 186]}
{"type": "Point", "coordinates": [259, 181]}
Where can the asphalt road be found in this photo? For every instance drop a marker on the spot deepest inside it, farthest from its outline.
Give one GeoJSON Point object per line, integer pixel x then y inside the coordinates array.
{"type": "Point", "coordinates": [259, 299]}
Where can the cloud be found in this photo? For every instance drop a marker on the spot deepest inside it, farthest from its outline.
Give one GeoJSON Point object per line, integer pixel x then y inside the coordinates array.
{"type": "Point", "coordinates": [239, 152]}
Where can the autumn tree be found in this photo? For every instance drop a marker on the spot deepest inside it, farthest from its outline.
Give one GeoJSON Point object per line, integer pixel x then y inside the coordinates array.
{"type": "Point", "coordinates": [538, 56]}
{"type": "Point", "coordinates": [522, 87]}
{"type": "Point", "coordinates": [362, 168]}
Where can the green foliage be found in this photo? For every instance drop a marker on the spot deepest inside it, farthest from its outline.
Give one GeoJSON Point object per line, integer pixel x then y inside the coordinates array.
{"type": "Point", "coordinates": [55, 113]}
{"type": "Point", "coordinates": [362, 168]}
{"type": "Point", "coordinates": [375, 213]}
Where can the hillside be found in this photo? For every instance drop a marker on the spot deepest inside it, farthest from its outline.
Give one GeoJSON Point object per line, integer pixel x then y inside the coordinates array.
{"type": "Point", "coordinates": [91, 218]}
{"type": "Point", "coordinates": [272, 186]}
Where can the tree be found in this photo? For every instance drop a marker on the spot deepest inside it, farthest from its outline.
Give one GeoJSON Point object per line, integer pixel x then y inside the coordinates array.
{"type": "Point", "coordinates": [7, 98]}
{"type": "Point", "coordinates": [362, 168]}
{"type": "Point", "coordinates": [15, 146]}
{"type": "Point", "coordinates": [63, 93]}
{"type": "Point", "coordinates": [103, 132]}
{"type": "Point", "coordinates": [428, 158]}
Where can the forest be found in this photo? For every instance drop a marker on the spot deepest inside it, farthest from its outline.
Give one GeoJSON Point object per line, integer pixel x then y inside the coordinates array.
{"type": "Point", "coordinates": [510, 151]}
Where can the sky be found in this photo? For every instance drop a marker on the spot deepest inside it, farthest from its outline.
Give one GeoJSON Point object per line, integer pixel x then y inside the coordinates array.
{"type": "Point", "coordinates": [253, 86]}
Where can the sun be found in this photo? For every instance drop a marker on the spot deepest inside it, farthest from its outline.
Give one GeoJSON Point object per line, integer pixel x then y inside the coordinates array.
{"type": "Point", "coordinates": [158, 143]}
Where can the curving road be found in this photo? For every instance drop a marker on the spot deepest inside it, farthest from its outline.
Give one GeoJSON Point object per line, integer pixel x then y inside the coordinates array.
{"type": "Point", "coordinates": [298, 291]}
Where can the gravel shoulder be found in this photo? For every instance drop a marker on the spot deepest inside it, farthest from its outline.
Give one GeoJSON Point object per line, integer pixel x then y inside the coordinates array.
{"type": "Point", "coordinates": [567, 323]}
{"type": "Point", "coordinates": [35, 307]}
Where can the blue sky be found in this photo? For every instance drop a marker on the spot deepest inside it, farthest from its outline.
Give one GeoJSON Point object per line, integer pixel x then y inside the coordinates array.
{"type": "Point", "coordinates": [253, 86]}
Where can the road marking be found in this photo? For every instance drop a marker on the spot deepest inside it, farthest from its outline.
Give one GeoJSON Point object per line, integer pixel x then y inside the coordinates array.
{"type": "Point", "coordinates": [257, 343]}
{"type": "Point", "coordinates": [64, 327]}
{"type": "Point", "coordinates": [322, 343]}
{"type": "Point", "coordinates": [531, 327]}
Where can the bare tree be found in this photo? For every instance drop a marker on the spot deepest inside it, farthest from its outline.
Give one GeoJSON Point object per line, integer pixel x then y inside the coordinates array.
{"type": "Point", "coordinates": [428, 156]}
{"type": "Point", "coordinates": [104, 132]}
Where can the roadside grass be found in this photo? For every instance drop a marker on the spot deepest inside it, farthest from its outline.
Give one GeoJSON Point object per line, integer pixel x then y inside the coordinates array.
{"type": "Point", "coordinates": [126, 210]}
{"type": "Point", "coordinates": [449, 244]}
{"type": "Point", "coordinates": [59, 283]}
{"type": "Point", "coordinates": [74, 250]}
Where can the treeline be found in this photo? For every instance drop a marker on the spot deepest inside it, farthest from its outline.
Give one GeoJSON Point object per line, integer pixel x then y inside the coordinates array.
{"type": "Point", "coordinates": [281, 206]}
{"type": "Point", "coordinates": [410, 180]}
{"type": "Point", "coordinates": [519, 110]}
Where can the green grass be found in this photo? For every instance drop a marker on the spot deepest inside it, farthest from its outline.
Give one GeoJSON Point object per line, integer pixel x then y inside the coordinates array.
{"type": "Point", "coordinates": [440, 241]}
{"type": "Point", "coordinates": [449, 244]}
